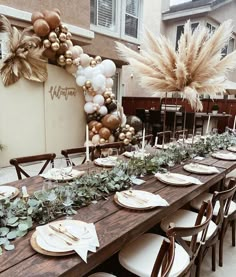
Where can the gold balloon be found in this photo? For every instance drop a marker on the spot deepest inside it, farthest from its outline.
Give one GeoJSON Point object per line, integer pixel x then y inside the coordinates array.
{"type": "Point", "coordinates": [113, 96]}
{"type": "Point", "coordinates": [88, 84]}
{"type": "Point", "coordinates": [52, 36]}
{"type": "Point", "coordinates": [102, 140]}
{"type": "Point", "coordinates": [121, 136]}
{"type": "Point", "coordinates": [132, 130]}
{"type": "Point", "coordinates": [69, 61]}
{"type": "Point", "coordinates": [90, 90]}
{"type": "Point", "coordinates": [126, 141]}
{"type": "Point", "coordinates": [106, 94]}
{"type": "Point", "coordinates": [47, 43]}
{"type": "Point", "coordinates": [128, 135]}
{"type": "Point", "coordinates": [127, 126]}
{"type": "Point", "coordinates": [108, 100]}
{"type": "Point", "coordinates": [57, 30]}
{"type": "Point", "coordinates": [84, 88]}
{"type": "Point", "coordinates": [61, 63]}
{"type": "Point", "coordinates": [98, 59]}
{"type": "Point", "coordinates": [55, 46]}
{"type": "Point", "coordinates": [68, 54]}
{"type": "Point", "coordinates": [93, 63]}
{"type": "Point", "coordinates": [62, 37]}
{"type": "Point", "coordinates": [68, 35]}
{"type": "Point", "coordinates": [64, 28]}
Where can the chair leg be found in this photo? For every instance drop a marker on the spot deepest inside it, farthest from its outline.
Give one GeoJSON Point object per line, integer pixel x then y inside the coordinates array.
{"type": "Point", "coordinates": [233, 232]}
{"type": "Point", "coordinates": [221, 249]}
{"type": "Point", "coordinates": [198, 262]}
{"type": "Point", "coordinates": [213, 257]}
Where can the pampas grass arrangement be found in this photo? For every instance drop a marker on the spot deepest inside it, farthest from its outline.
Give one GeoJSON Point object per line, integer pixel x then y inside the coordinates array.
{"type": "Point", "coordinates": [24, 56]}
{"type": "Point", "coordinates": [196, 68]}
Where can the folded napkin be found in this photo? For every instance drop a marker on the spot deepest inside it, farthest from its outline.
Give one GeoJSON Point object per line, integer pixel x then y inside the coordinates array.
{"type": "Point", "coordinates": [56, 242]}
{"type": "Point", "coordinates": [55, 174]}
{"type": "Point", "coordinates": [180, 177]}
{"type": "Point", "coordinates": [206, 168]}
{"type": "Point", "coordinates": [140, 199]}
{"type": "Point", "coordinates": [135, 154]}
{"type": "Point", "coordinates": [109, 161]}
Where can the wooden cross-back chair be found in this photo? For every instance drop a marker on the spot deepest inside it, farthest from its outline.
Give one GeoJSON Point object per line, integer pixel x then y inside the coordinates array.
{"type": "Point", "coordinates": [224, 212]}
{"type": "Point", "coordinates": [143, 256]}
{"type": "Point", "coordinates": [79, 151]}
{"type": "Point", "coordinates": [148, 139]}
{"type": "Point", "coordinates": [181, 132]}
{"type": "Point", "coordinates": [20, 162]}
{"type": "Point", "coordinates": [99, 148]}
{"type": "Point", "coordinates": [165, 135]}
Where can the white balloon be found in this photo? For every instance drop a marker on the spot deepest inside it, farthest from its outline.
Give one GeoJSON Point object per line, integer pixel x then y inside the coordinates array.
{"type": "Point", "coordinates": [84, 60]}
{"type": "Point", "coordinates": [88, 72]}
{"type": "Point", "coordinates": [109, 83]}
{"type": "Point", "coordinates": [80, 80]}
{"type": "Point", "coordinates": [100, 67]}
{"type": "Point", "coordinates": [100, 91]}
{"type": "Point", "coordinates": [109, 68]}
{"type": "Point", "coordinates": [80, 70]}
{"type": "Point", "coordinates": [89, 108]}
{"type": "Point", "coordinates": [111, 138]}
{"type": "Point", "coordinates": [103, 110]}
{"type": "Point", "coordinates": [88, 97]}
{"type": "Point", "coordinates": [95, 139]}
{"type": "Point", "coordinates": [98, 82]}
{"type": "Point", "coordinates": [99, 99]}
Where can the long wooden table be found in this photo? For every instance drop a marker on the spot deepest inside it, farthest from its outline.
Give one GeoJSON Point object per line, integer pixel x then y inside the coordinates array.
{"type": "Point", "coordinates": [115, 225]}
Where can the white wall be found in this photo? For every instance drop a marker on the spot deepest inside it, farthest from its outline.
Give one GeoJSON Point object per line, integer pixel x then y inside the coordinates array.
{"type": "Point", "coordinates": [31, 122]}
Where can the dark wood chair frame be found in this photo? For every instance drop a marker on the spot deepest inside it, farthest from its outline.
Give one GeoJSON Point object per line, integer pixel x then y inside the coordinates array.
{"type": "Point", "coordinates": [165, 135]}
{"type": "Point", "coordinates": [120, 146]}
{"type": "Point", "coordinates": [67, 153]}
{"type": "Point", "coordinates": [18, 162]}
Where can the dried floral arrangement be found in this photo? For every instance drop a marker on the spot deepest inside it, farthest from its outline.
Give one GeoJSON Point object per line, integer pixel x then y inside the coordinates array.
{"type": "Point", "coordinates": [194, 69]}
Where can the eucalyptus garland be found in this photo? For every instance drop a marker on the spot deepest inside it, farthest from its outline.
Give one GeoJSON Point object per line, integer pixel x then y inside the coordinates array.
{"type": "Point", "coordinates": [19, 216]}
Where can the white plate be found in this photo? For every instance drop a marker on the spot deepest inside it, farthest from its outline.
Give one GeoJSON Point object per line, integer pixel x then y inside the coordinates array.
{"type": "Point", "coordinates": [200, 168]}
{"type": "Point", "coordinates": [135, 154]}
{"type": "Point", "coordinates": [160, 146]}
{"type": "Point", "coordinates": [52, 241]}
{"type": "Point", "coordinates": [8, 192]}
{"type": "Point", "coordinates": [58, 177]}
{"type": "Point", "coordinates": [224, 156]}
{"type": "Point", "coordinates": [135, 199]}
{"type": "Point", "coordinates": [173, 179]}
{"type": "Point", "coordinates": [106, 162]}
{"type": "Point", "coordinates": [232, 148]}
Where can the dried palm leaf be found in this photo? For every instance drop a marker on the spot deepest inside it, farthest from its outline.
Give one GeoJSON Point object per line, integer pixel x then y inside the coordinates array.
{"type": "Point", "coordinates": [193, 70]}
{"type": "Point", "coordinates": [24, 57]}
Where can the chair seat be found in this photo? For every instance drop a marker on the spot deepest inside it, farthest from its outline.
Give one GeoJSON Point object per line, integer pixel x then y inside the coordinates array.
{"type": "Point", "coordinates": [196, 203]}
{"type": "Point", "coordinates": [186, 218]}
{"type": "Point", "coordinates": [101, 274]}
{"type": "Point", "coordinates": [139, 256]}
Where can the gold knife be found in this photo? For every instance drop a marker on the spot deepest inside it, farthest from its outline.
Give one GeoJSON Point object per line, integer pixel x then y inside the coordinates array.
{"type": "Point", "coordinates": [66, 233]}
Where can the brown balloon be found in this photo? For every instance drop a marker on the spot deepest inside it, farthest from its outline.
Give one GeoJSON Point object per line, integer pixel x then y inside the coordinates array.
{"type": "Point", "coordinates": [91, 134]}
{"type": "Point", "coordinates": [52, 18]}
{"type": "Point", "coordinates": [36, 15]}
{"type": "Point", "coordinates": [111, 121]}
{"type": "Point", "coordinates": [104, 133]}
{"type": "Point", "coordinates": [98, 126]}
{"type": "Point", "coordinates": [41, 27]}
{"type": "Point", "coordinates": [92, 124]}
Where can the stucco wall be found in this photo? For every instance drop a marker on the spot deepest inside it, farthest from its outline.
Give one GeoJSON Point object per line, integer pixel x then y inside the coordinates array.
{"type": "Point", "coordinates": [41, 117]}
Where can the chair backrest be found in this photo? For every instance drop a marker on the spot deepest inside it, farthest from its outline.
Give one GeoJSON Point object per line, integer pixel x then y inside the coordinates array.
{"type": "Point", "coordinates": [166, 135]}
{"type": "Point", "coordinates": [21, 161]}
{"type": "Point", "coordinates": [73, 152]}
{"type": "Point", "coordinates": [181, 132]}
{"type": "Point", "coordinates": [165, 258]}
{"type": "Point", "coordinates": [201, 225]}
{"type": "Point", "coordinates": [224, 197]}
{"type": "Point", "coordinates": [148, 139]}
{"type": "Point", "coordinates": [154, 116]}
{"type": "Point", "coordinates": [120, 146]}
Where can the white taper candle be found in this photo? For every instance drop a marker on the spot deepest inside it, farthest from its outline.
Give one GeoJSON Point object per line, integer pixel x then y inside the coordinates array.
{"type": "Point", "coordinates": [87, 143]}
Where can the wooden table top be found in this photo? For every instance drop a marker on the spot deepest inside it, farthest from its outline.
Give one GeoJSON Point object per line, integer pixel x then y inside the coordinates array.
{"type": "Point", "coordinates": [115, 225]}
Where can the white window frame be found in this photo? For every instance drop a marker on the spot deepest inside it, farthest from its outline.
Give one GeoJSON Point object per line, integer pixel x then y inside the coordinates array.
{"type": "Point", "coordinates": [123, 35]}
{"type": "Point", "coordinates": [106, 31]}
{"type": "Point", "coordinates": [176, 27]}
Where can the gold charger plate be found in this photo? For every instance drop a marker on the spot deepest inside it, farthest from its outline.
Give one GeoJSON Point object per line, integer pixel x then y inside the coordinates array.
{"type": "Point", "coordinates": [130, 207]}
{"type": "Point", "coordinates": [40, 250]}
{"type": "Point", "coordinates": [13, 195]}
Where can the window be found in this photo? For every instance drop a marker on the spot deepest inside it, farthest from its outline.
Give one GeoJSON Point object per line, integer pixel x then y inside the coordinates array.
{"type": "Point", "coordinates": [117, 18]}
{"type": "Point", "coordinates": [102, 13]}
{"type": "Point", "coordinates": [180, 30]}
{"type": "Point", "coordinates": [132, 18]}
{"type": "Point", "coordinates": [211, 27]}
{"type": "Point", "coordinates": [228, 48]}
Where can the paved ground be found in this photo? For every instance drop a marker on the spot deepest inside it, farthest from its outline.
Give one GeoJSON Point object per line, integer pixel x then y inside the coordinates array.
{"type": "Point", "coordinates": [8, 174]}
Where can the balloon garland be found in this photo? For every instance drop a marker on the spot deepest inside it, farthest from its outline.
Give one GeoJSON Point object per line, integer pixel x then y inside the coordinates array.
{"type": "Point", "coordinates": [105, 118]}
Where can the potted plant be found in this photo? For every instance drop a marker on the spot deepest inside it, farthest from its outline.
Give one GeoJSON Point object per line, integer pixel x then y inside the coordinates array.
{"type": "Point", "coordinates": [215, 109]}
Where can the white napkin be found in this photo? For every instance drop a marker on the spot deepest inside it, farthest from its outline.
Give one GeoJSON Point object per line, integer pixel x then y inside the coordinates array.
{"type": "Point", "coordinates": [207, 168]}
{"type": "Point", "coordinates": [55, 174]}
{"type": "Point", "coordinates": [109, 161]}
{"type": "Point", "coordinates": [189, 179]}
{"type": "Point", "coordinates": [54, 241]}
{"type": "Point", "coordinates": [141, 200]}
{"type": "Point", "coordinates": [135, 154]}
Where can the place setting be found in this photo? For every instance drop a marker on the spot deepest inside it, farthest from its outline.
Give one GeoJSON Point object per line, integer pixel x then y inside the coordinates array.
{"type": "Point", "coordinates": [224, 156]}
{"type": "Point", "coordinates": [62, 171]}
{"type": "Point", "coordinates": [177, 179]}
{"type": "Point", "coordinates": [65, 237]}
{"type": "Point", "coordinates": [200, 168]}
{"type": "Point", "coordinates": [8, 192]}
{"type": "Point", "coordinates": [139, 199]}
{"type": "Point", "coordinates": [232, 148]}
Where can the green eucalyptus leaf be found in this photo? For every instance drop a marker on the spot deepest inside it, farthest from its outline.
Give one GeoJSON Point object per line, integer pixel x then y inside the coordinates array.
{"type": "Point", "coordinates": [21, 233]}
{"type": "Point", "coordinates": [4, 231]}
{"type": "Point", "coordinates": [3, 241]}
{"type": "Point", "coordinates": [23, 226]}
{"type": "Point", "coordinates": [9, 247]}
{"type": "Point", "coordinates": [0, 250]}
{"type": "Point", "coordinates": [12, 220]}
{"type": "Point", "coordinates": [12, 235]}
